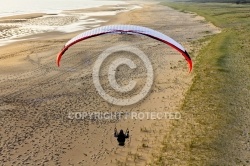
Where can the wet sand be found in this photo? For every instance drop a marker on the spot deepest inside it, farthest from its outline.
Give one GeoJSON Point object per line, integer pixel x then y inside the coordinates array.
{"type": "Point", "coordinates": [36, 95]}
{"type": "Point", "coordinates": [22, 26]}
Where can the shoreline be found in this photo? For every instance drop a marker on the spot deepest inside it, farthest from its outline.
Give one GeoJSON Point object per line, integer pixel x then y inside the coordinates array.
{"type": "Point", "coordinates": [51, 8]}
{"type": "Point", "coordinates": [41, 129]}
{"type": "Point", "coordinates": [12, 28]}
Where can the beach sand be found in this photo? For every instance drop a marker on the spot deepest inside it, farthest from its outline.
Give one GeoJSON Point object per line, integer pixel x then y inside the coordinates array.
{"type": "Point", "coordinates": [37, 96]}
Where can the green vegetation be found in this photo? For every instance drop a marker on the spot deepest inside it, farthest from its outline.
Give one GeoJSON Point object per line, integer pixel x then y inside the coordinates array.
{"type": "Point", "coordinates": [217, 105]}
{"type": "Point", "coordinates": [217, 1]}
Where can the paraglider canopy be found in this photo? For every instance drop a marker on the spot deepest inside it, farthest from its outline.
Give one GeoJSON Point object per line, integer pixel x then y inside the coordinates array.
{"type": "Point", "coordinates": [126, 29]}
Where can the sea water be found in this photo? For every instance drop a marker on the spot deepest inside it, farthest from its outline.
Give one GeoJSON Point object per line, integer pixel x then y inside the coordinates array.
{"type": "Point", "coordinates": [15, 7]}
{"type": "Point", "coordinates": [58, 19]}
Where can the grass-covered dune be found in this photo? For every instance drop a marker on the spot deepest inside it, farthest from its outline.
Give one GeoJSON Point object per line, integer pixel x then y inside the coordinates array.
{"type": "Point", "coordinates": [216, 127]}
{"type": "Point", "coordinates": [217, 1]}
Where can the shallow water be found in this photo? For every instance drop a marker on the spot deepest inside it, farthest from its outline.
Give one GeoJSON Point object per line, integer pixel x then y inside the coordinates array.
{"type": "Point", "coordinates": [69, 21]}
{"type": "Point", "coordinates": [14, 7]}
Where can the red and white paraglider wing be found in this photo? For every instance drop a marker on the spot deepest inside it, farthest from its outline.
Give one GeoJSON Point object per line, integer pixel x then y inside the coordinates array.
{"type": "Point", "coordinates": [126, 29]}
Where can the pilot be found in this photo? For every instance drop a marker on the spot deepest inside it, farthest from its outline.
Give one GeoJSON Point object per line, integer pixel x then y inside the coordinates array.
{"type": "Point", "coordinates": [121, 137]}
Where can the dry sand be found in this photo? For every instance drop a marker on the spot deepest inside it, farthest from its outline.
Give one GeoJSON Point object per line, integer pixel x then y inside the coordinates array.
{"type": "Point", "coordinates": [36, 96]}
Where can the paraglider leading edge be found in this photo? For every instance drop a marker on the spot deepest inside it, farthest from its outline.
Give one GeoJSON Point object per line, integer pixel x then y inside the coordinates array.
{"type": "Point", "coordinates": [82, 37]}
